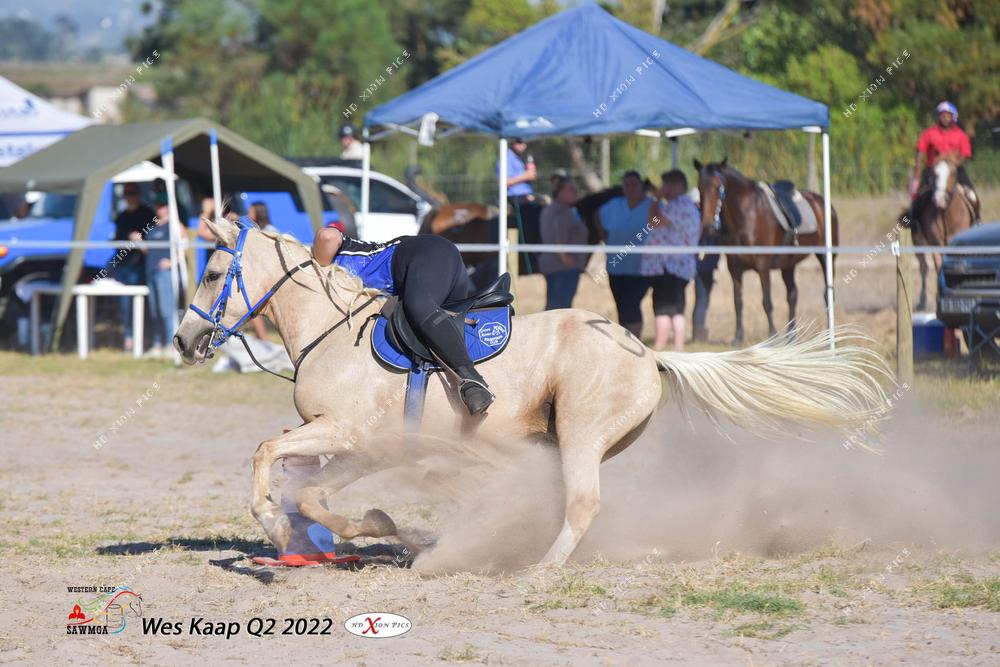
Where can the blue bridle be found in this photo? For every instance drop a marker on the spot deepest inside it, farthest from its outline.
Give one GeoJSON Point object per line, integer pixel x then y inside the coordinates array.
{"type": "Point", "coordinates": [220, 332]}
{"type": "Point", "coordinates": [718, 204]}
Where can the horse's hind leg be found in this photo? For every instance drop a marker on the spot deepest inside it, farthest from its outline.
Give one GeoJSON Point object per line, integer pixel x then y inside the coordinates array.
{"type": "Point", "coordinates": [581, 477]}
{"type": "Point", "coordinates": [765, 287]}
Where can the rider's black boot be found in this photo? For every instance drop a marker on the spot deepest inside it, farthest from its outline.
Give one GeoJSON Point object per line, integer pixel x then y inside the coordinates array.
{"type": "Point", "coordinates": [439, 332]}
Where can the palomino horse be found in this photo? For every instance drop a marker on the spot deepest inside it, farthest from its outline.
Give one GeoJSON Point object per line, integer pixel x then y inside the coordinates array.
{"type": "Point", "coordinates": [745, 218]}
{"type": "Point", "coordinates": [568, 378]}
{"type": "Point", "coordinates": [940, 214]}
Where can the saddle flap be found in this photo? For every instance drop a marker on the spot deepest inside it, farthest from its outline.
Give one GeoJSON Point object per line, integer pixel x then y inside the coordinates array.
{"type": "Point", "coordinates": [487, 333]}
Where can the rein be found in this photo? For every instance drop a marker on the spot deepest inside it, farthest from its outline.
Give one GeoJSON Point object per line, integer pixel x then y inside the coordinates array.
{"type": "Point", "coordinates": [221, 333]}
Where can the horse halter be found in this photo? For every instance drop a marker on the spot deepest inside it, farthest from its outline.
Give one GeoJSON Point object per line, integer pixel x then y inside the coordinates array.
{"type": "Point", "coordinates": [220, 332]}
{"type": "Point", "coordinates": [717, 220]}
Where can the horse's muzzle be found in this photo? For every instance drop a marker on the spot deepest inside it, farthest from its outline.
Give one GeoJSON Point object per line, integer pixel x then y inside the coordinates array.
{"type": "Point", "coordinates": [193, 353]}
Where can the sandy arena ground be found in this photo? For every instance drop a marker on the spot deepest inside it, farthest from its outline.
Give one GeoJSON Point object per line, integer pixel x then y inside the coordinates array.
{"type": "Point", "coordinates": [709, 550]}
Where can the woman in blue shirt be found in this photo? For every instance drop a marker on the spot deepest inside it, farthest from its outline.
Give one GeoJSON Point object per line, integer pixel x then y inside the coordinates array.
{"type": "Point", "coordinates": [425, 271]}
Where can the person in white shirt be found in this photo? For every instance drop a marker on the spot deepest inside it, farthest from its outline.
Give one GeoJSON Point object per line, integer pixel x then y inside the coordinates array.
{"type": "Point", "coordinates": [352, 148]}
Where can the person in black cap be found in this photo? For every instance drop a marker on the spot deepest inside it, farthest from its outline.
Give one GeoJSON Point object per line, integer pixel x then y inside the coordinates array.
{"type": "Point", "coordinates": [352, 148]}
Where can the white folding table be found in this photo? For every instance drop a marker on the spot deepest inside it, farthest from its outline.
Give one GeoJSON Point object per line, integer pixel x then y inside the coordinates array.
{"type": "Point", "coordinates": [85, 314]}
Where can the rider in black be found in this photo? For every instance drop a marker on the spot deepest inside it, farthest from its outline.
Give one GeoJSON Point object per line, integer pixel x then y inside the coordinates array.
{"type": "Point", "coordinates": [424, 271]}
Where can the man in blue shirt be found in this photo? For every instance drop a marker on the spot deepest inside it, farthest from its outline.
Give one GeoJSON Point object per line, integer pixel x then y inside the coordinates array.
{"type": "Point", "coordinates": [521, 171]}
{"type": "Point", "coordinates": [624, 220]}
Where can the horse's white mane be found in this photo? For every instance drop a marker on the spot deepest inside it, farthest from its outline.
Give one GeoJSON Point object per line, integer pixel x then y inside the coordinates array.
{"type": "Point", "coordinates": [334, 275]}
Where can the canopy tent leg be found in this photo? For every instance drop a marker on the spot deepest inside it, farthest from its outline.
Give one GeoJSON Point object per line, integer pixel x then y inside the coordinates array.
{"type": "Point", "coordinates": [828, 231]}
{"type": "Point", "coordinates": [502, 198]}
{"type": "Point", "coordinates": [674, 157]}
{"type": "Point", "coordinates": [366, 181]}
{"type": "Point", "coordinates": [216, 177]}
{"type": "Point", "coordinates": [86, 209]}
{"type": "Point", "coordinates": [167, 156]}
{"type": "Point", "coordinates": [606, 161]}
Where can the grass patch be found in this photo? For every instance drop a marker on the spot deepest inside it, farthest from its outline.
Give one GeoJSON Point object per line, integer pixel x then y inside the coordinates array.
{"type": "Point", "coordinates": [744, 601]}
{"type": "Point", "coordinates": [761, 630]}
{"type": "Point", "coordinates": [968, 591]}
{"type": "Point", "coordinates": [467, 653]}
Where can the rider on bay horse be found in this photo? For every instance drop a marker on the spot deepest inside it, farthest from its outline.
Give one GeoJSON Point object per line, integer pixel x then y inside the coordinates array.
{"type": "Point", "coordinates": [425, 271]}
{"type": "Point", "coordinates": [938, 139]}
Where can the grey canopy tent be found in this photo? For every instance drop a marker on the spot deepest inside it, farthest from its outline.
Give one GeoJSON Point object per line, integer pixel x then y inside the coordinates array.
{"type": "Point", "coordinates": [86, 160]}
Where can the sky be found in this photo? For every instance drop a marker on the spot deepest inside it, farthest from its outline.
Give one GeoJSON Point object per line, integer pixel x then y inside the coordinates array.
{"type": "Point", "coordinates": [102, 23]}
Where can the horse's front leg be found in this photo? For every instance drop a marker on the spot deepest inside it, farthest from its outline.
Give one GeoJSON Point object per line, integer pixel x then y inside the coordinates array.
{"type": "Point", "coordinates": [318, 437]}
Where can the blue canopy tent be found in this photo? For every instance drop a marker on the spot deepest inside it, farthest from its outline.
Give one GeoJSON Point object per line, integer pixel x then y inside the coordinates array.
{"type": "Point", "coordinates": [585, 72]}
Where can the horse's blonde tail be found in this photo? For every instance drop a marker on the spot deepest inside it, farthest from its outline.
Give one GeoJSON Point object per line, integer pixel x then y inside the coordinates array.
{"type": "Point", "coordinates": [787, 379]}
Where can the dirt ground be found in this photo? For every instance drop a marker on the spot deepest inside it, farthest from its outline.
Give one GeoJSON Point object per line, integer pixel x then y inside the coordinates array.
{"type": "Point", "coordinates": [711, 548]}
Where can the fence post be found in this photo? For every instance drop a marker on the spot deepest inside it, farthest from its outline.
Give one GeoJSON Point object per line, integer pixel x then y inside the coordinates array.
{"type": "Point", "coordinates": [904, 315]}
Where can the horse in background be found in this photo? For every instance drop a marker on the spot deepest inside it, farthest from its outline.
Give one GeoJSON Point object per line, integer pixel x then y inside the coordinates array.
{"type": "Point", "coordinates": [739, 207]}
{"type": "Point", "coordinates": [938, 214]}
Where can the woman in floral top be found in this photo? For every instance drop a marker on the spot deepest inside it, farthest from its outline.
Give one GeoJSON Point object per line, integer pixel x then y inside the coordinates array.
{"type": "Point", "coordinates": [674, 223]}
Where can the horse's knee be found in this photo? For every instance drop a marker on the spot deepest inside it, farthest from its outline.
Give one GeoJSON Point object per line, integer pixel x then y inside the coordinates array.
{"type": "Point", "coordinates": [264, 454]}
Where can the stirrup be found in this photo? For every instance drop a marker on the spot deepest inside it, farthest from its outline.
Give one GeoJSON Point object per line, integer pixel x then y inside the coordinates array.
{"type": "Point", "coordinates": [475, 408]}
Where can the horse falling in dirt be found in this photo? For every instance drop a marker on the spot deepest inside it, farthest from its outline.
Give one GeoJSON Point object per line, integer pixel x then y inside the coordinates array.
{"type": "Point", "coordinates": [740, 208]}
{"type": "Point", "coordinates": [939, 214]}
{"type": "Point", "coordinates": [568, 378]}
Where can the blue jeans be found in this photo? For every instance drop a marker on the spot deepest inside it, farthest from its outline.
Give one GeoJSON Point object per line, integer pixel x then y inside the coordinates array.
{"type": "Point", "coordinates": [703, 282]}
{"type": "Point", "coordinates": [128, 275]}
{"type": "Point", "coordinates": [161, 306]}
{"type": "Point", "coordinates": [560, 288]}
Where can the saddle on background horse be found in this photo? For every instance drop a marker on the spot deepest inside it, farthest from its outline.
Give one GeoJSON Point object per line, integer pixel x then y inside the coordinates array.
{"type": "Point", "coordinates": [485, 318]}
{"type": "Point", "coordinates": [792, 210]}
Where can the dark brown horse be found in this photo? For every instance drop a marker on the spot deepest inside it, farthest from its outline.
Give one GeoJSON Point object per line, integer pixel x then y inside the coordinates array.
{"type": "Point", "coordinates": [939, 213]}
{"type": "Point", "coordinates": [746, 218]}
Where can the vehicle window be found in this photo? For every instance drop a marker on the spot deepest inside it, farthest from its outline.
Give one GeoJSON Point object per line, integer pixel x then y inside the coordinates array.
{"type": "Point", "coordinates": [387, 199]}
{"type": "Point", "coordinates": [349, 185]}
{"type": "Point", "coordinates": [52, 205]}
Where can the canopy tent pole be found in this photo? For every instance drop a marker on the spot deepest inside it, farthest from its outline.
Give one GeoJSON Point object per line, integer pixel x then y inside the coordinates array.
{"type": "Point", "coordinates": [674, 157]}
{"type": "Point", "coordinates": [216, 177]}
{"type": "Point", "coordinates": [502, 198]}
{"type": "Point", "coordinates": [828, 233]}
{"type": "Point", "coordinates": [366, 179]}
{"type": "Point", "coordinates": [167, 156]}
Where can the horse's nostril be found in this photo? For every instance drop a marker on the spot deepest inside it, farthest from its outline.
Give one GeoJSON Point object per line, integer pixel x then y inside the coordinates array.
{"type": "Point", "coordinates": [179, 344]}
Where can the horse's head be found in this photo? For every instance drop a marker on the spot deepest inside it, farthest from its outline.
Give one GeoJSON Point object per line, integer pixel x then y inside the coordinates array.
{"type": "Point", "coordinates": [711, 191]}
{"type": "Point", "coordinates": [945, 174]}
{"type": "Point", "coordinates": [228, 292]}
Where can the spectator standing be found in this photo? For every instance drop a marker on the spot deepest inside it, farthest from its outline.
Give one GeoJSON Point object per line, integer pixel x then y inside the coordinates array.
{"type": "Point", "coordinates": [130, 224]}
{"type": "Point", "coordinates": [676, 223]}
{"type": "Point", "coordinates": [561, 224]}
{"type": "Point", "coordinates": [261, 217]}
{"type": "Point", "coordinates": [624, 221]}
{"type": "Point", "coordinates": [521, 171]}
{"type": "Point", "coordinates": [704, 280]}
{"type": "Point", "coordinates": [162, 300]}
{"type": "Point", "coordinates": [352, 149]}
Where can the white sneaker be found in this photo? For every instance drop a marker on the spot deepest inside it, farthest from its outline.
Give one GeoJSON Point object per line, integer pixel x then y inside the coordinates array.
{"type": "Point", "coordinates": [155, 352]}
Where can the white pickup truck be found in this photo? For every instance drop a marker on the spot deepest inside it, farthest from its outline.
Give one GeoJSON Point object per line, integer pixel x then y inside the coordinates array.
{"type": "Point", "coordinates": [394, 209]}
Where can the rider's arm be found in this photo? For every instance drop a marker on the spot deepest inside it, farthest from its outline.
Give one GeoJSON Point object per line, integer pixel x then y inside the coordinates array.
{"type": "Point", "coordinates": [326, 245]}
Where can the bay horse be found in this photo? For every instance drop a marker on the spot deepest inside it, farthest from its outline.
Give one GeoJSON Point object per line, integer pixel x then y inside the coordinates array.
{"type": "Point", "coordinates": [568, 378]}
{"type": "Point", "coordinates": [746, 218]}
{"type": "Point", "coordinates": [938, 215]}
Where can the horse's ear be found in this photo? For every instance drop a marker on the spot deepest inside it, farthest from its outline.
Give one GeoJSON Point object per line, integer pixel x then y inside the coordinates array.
{"type": "Point", "coordinates": [724, 161]}
{"type": "Point", "coordinates": [698, 165]}
{"type": "Point", "coordinates": [227, 232]}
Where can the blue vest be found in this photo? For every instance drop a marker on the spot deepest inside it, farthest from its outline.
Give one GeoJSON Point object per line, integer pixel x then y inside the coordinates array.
{"type": "Point", "coordinates": [371, 262]}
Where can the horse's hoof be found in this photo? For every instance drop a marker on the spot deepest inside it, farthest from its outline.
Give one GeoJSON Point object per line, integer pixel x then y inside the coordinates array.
{"type": "Point", "coordinates": [377, 523]}
{"type": "Point", "coordinates": [280, 532]}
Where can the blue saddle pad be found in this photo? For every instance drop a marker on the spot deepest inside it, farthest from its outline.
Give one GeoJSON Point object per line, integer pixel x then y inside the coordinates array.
{"type": "Point", "coordinates": [485, 339]}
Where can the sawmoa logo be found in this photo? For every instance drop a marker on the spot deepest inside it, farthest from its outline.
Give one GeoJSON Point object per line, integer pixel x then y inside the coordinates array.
{"type": "Point", "coordinates": [378, 625]}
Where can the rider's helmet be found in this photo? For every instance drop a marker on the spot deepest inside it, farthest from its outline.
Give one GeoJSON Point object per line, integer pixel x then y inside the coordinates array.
{"type": "Point", "coordinates": [947, 106]}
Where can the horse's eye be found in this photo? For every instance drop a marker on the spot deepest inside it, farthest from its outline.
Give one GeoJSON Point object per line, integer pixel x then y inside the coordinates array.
{"type": "Point", "coordinates": [212, 276]}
